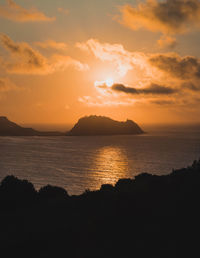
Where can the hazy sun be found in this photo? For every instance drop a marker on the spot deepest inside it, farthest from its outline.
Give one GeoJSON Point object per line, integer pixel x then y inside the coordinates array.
{"type": "Point", "coordinates": [108, 82]}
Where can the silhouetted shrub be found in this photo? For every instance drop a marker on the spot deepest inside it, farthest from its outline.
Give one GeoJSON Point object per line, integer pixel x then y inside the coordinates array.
{"type": "Point", "coordinates": [15, 191]}
{"type": "Point", "coordinates": [149, 216]}
{"type": "Point", "coordinates": [196, 164]}
{"type": "Point", "coordinates": [124, 185]}
{"type": "Point", "coordinates": [143, 177]}
{"type": "Point", "coordinates": [107, 188]}
{"type": "Point", "coordinates": [86, 192]}
{"type": "Point", "coordinates": [53, 192]}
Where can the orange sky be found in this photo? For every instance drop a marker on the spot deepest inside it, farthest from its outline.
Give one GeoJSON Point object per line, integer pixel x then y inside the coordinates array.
{"type": "Point", "coordinates": [57, 58]}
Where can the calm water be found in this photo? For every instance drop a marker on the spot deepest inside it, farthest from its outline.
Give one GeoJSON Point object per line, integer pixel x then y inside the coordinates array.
{"type": "Point", "coordinates": [79, 163]}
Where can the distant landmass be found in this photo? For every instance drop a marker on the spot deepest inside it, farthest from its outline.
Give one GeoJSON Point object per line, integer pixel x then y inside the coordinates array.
{"type": "Point", "coordinates": [100, 125]}
{"type": "Point", "coordinates": [8, 128]}
{"type": "Point", "coordinates": [86, 126]}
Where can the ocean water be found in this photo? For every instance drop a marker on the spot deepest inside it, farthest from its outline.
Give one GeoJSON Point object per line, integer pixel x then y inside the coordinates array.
{"type": "Point", "coordinates": [80, 163]}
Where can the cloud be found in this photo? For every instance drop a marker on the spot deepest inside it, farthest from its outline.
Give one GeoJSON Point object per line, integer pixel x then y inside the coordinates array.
{"type": "Point", "coordinates": [167, 42]}
{"type": "Point", "coordinates": [51, 44]}
{"type": "Point", "coordinates": [153, 89]}
{"type": "Point", "coordinates": [6, 85]}
{"type": "Point", "coordinates": [168, 16]}
{"type": "Point", "coordinates": [62, 10]}
{"type": "Point", "coordinates": [182, 68]}
{"type": "Point", "coordinates": [158, 68]}
{"type": "Point", "coordinates": [61, 63]}
{"type": "Point", "coordinates": [115, 53]}
{"type": "Point", "coordinates": [102, 102]}
{"type": "Point", "coordinates": [164, 102]}
{"type": "Point", "coordinates": [17, 13]}
{"type": "Point", "coordinates": [177, 102]}
{"type": "Point", "coordinates": [191, 86]}
{"type": "Point", "coordinates": [182, 72]}
{"type": "Point", "coordinates": [154, 76]}
{"type": "Point", "coordinates": [26, 60]}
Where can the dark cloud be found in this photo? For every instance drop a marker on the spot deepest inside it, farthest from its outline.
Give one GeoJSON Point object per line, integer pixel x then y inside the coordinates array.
{"type": "Point", "coordinates": [153, 89]}
{"type": "Point", "coordinates": [180, 67]}
{"type": "Point", "coordinates": [168, 16]}
{"type": "Point", "coordinates": [122, 88]}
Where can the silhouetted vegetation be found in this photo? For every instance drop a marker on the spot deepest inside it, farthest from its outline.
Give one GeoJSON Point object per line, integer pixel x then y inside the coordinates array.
{"type": "Point", "coordinates": [149, 216]}
{"type": "Point", "coordinates": [52, 192]}
{"type": "Point", "coordinates": [15, 193]}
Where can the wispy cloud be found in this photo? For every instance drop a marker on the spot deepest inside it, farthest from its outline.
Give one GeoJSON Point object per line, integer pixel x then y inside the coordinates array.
{"type": "Point", "coordinates": [6, 85]}
{"type": "Point", "coordinates": [102, 102]}
{"type": "Point", "coordinates": [17, 13]}
{"type": "Point", "coordinates": [23, 58]}
{"type": "Point", "coordinates": [63, 10]}
{"type": "Point", "coordinates": [51, 44]}
{"type": "Point", "coordinates": [167, 42]}
{"type": "Point", "coordinates": [26, 60]}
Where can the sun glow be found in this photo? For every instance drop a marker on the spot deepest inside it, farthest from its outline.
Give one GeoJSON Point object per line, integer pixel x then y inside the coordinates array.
{"type": "Point", "coordinates": [108, 82]}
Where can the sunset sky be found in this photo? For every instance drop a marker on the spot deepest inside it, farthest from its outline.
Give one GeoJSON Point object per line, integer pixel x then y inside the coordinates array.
{"type": "Point", "coordinates": [61, 60]}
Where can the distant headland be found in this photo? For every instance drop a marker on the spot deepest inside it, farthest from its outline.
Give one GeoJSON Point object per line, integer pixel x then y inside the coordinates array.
{"type": "Point", "coordinates": [101, 125]}
{"type": "Point", "coordinates": [8, 128]}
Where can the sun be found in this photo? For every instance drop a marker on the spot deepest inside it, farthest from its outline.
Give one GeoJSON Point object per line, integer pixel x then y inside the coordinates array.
{"type": "Point", "coordinates": [109, 82]}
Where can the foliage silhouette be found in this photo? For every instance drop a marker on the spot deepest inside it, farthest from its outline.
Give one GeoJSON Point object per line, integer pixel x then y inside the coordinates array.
{"type": "Point", "coordinates": [52, 192]}
{"type": "Point", "coordinates": [14, 192]}
{"type": "Point", "coordinates": [149, 216]}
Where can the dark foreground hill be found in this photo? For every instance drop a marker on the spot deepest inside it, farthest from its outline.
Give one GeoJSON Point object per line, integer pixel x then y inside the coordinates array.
{"type": "Point", "coordinates": [100, 125]}
{"type": "Point", "coordinates": [149, 216]}
{"type": "Point", "coordinates": [8, 128]}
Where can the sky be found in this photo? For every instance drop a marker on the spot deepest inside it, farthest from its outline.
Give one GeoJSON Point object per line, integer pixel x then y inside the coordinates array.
{"type": "Point", "coordinates": [61, 60]}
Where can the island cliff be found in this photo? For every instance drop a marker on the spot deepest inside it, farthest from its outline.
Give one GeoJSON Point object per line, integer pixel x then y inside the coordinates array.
{"type": "Point", "coordinates": [100, 125]}
{"type": "Point", "coordinates": [8, 128]}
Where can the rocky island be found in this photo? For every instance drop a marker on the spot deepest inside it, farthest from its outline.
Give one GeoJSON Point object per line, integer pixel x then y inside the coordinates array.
{"type": "Point", "coordinates": [8, 128]}
{"type": "Point", "coordinates": [100, 125]}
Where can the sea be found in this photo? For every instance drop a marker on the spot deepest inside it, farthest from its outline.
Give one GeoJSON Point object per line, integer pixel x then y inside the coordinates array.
{"type": "Point", "coordinates": [85, 163]}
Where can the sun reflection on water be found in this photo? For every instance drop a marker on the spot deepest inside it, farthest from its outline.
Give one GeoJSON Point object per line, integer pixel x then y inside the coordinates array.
{"type": "Point", "coordinates": [109, 165]}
